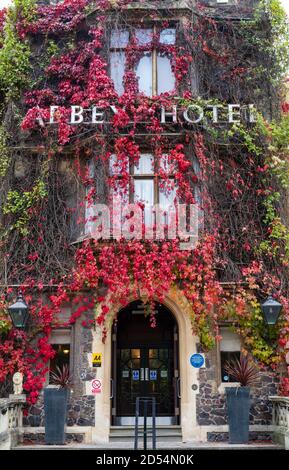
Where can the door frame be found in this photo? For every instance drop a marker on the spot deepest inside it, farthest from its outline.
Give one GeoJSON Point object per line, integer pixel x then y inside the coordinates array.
{"type": "Point", "coordinates": [180, 307]}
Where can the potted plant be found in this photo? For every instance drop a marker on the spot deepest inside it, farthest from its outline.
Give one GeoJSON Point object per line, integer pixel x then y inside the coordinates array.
{"type": "Point", "coordinates": [238, 398]}
{"type": "Point", "coordinates": [55, 405]}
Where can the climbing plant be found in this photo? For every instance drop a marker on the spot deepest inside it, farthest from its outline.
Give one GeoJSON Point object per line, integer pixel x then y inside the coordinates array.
{"type": "Point", "coordinates": [57, 55]}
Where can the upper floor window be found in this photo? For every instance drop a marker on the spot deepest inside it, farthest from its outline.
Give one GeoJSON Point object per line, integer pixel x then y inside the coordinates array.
{"type": "Point", "coordinates": [150, 182]}
{"type": "Point", "coordinates": [147, 187]}
{"type": "Point", "coordinates": [89, 209]}
{"type": "Point", "coordinates": [150, 55]}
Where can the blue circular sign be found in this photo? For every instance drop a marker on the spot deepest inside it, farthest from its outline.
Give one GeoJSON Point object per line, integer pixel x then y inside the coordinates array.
{"type": "Point", "coordinates": [197, 360]}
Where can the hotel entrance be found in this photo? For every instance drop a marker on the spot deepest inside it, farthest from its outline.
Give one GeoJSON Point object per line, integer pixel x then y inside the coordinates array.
{"type": "Point", "coordinates": [145, 364]}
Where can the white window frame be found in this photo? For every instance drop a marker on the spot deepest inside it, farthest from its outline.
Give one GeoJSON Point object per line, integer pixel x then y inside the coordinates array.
{"type": "Point", "coordinates": [230, 342]}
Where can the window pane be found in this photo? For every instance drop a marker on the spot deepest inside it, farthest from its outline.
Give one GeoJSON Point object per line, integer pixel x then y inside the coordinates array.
{"type": "Point", "coordinates": [119, 38]}
{"type": "Point", "coordinates": [168, 36]}
{"type": "Point", "coordinates": [143, 36]}
{"type": "Point", "coordinates": [145, 165]}
{"type": "Point", "coordinates": [117, 65]}
{"type": "Point", "coordinates": [228, 357]}
{"type": "Point", "coordinates": [61, 357]}
{"type": "Point", "coordinates": [144, 74]}
{"type": "Point", "coordinates": [89, 209]}
{"type": "Point", "coordinates": [163, 354]}
{"type": "Point", "coordinates": [119, 186]}
{"type": "Point", "coordinates": [135, 353]}
{"type": "Point", "coordinates": [167, 166]}
{"type": "Point", "coordinates": [120, 189]}
{"type": "Point", "coordinates": [89, 216]}
{"type": "Point", "coordinates": [144, 192]}
{"type": "Point", "coordinates": [117, 167]}
{"type": "Point", "coordinates": [230, 340]}
{"type": "Point", "coordinates": [167, 201]}
{"type": "Point", "coordinates": [153, 353]}
{"type": "Point", "coordinates": [197, 171]}
{"type": "Point", "coordinates": [167, 196]}
{"type": "Point", "coordinates": [166, 78]}
{"type": "Point", "coordinates": [125, 354]}
{"type": "Point", "coordinates": [230, 346]}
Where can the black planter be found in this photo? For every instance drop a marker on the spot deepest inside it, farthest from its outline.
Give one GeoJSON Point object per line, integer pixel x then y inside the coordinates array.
{"type": "Point", "coordinates": [55, 412]}
{"type": "Point", "coordinates": [238, 406]}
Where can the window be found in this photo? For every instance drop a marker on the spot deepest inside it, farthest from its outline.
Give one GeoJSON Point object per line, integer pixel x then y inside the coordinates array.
{"type": "Point", "coordinates": [150, 182]}
{"type": "Point", "coordinates": [153, 58]}
{"type": "Point", "coordinates": [89, 209]}
{"type": "Point", "coordinates": [117, 68]}
{"type": "Point", "coordinates": [230, 346]}
{"type": "Point", "coordinates": [60, 341]}
{"type": "Point", "coordinates": [148, 188]}
{"type": "Point", "coordinates": [197, 171]}
{"type": "Point", "coordinates": [62, 356]}
{"type": "Point", "coordinates": [144, 186]}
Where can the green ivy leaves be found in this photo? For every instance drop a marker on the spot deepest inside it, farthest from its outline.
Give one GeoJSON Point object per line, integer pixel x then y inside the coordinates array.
{"type": "Point", "coordinates": [15, 52]}
{"type": "Point", "coordinates": [19, 205]}
{"type": "Point", "coordinates": [4, 152]}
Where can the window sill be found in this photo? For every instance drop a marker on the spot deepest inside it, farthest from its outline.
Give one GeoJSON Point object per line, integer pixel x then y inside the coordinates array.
{"type": "Point", "coordinates": [222, 387]}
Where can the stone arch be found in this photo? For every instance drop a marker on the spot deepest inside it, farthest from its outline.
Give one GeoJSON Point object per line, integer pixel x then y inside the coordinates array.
{"type": "Point", "coordinates": [179, 306]}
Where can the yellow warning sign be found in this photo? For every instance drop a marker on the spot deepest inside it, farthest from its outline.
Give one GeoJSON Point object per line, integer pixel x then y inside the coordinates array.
{"type": "Point", "coordinates": [96, 359]}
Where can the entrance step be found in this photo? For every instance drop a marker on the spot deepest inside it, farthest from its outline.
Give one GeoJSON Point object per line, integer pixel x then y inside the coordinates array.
{"type": "Point", "coordinates": [163, 433]}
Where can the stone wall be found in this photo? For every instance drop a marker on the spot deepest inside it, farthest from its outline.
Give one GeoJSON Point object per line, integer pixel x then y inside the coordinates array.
{"type": "Point", "coordinates": [81, 412]}
{"type": "Point", "coordinates": [253, 436]}
{"type": "Point", "coordinates": [39, 438]}
{"type": "Point", "coordinates": [81, 407]}
{"type": "Point", "coordinates": [211, 403]}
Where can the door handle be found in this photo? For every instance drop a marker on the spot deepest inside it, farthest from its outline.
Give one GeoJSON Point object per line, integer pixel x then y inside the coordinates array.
{"type": "Point", "coordinates": [179, 387]}
{"type": "Point", "coordinates": [111, 389]}
{"type": "Point", "coordinates": [147, 373]}
{"type": "Point", "coordinates": [142, 374]}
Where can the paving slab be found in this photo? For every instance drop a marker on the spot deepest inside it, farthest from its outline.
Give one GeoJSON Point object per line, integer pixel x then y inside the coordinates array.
{"type": "Point", "coordinates": [124, 445]}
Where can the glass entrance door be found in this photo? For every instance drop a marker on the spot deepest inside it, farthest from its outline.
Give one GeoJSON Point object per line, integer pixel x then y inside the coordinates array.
{"type": "Point", "coordinates": [144, 364]}
{"type": "Point", "coordinates": [145, 372]}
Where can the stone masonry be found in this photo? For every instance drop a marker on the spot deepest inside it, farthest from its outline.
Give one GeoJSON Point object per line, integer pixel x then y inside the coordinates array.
{"type": "Point", "coordinates": [211, 404]}
{"type": "Point", "coordinates": [81, 407]}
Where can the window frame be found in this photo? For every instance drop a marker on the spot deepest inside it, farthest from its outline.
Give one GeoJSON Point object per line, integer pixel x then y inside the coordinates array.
{"type": "Point", "coordinates": [65, 337]}
{"type": "Point", "coordinates": [156, 26]}
{"type": "Point", "coordinates": [133, 176]}
{"type": "Point", "coordinates": [219, 378]}
{"type": "Point", "coordinates": [146, 176]}
{"type": "Point", "coordinates": [154, 176]}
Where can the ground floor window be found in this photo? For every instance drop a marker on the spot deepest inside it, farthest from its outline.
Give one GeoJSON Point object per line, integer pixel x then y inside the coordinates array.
{"type": "Point", "coordinates": [61, 343]}
{"type": "Point", "coordinates": [230, 347]}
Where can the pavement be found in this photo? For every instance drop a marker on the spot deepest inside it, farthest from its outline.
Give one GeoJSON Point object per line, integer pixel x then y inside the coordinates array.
{"type": "Point", "coordinates": [124, 445]}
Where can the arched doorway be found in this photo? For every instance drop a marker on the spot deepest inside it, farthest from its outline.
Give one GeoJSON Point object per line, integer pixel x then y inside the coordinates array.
{"type": "Point", "coordinates": [145, 362]}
